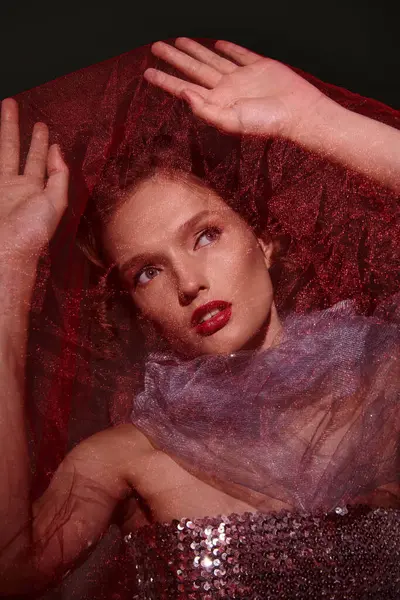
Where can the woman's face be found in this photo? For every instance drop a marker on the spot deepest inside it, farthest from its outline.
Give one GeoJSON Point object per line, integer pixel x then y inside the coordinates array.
{"type": "Point", "coordinates": [179, 247]}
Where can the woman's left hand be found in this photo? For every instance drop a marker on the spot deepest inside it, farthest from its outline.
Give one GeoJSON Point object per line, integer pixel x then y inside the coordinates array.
{"type": "Point", "coordinates": [257, 96]}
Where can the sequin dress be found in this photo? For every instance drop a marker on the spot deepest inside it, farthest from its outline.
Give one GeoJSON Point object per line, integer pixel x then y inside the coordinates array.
{"type": "Point", "coordinates": [347, 554]}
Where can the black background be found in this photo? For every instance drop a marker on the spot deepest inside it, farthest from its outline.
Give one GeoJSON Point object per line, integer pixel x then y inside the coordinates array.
{"type": "Point", "coordinates": [352, 44]}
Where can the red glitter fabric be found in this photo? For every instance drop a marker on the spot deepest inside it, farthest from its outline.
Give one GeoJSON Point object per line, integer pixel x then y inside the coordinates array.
{"type": "Point", "coordinates": [339, 232]}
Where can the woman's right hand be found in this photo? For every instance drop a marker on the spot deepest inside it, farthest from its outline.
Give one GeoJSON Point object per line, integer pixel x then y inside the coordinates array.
{"type": "Point", "coordinates": [31, 204]}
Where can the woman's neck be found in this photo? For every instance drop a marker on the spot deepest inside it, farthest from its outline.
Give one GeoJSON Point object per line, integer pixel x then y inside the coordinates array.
{"type": "Point", "coordinates": [274, 332]}
{"type": "Point", "coordinates": [269, 335]}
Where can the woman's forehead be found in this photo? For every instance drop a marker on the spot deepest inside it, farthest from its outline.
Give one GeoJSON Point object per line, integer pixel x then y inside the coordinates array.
{"type": "Point", "coordinates": [172, 194]}
{"type": "Point", "coordinates": [159, 209]}
{"type": "Point", "coordinates": [161, 202]}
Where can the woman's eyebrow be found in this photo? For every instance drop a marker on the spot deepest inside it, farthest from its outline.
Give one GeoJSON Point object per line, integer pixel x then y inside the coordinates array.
{"type": "Point", "coordinates": [137, 258]}
{"type": "Point", "coordinates": [182, 230]}
{"type": "Point", "coordinates": [187, 225]}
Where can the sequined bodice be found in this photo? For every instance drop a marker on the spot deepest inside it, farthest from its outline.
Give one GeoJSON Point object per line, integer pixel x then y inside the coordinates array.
{"type": "Point", "coordinates": [347, 554]}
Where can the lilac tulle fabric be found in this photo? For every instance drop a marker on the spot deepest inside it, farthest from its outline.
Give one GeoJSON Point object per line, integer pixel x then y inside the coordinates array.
{"type": "Point", "coordinates": [313, 422]}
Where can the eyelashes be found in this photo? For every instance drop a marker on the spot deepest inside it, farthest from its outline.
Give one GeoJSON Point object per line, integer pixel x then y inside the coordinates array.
{"type": "Point", "coordinates": [211, 234]}
{"type": "Point", "coordinates": [144, 271]}
{"type": "Point", "coordinates": [215, 233]}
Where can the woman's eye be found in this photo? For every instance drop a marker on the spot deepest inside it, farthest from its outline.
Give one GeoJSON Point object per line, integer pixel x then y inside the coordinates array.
{"type": "Point", "coordinates": [146, 275]}
{"type": "Point", "coordinates": [208, 236]}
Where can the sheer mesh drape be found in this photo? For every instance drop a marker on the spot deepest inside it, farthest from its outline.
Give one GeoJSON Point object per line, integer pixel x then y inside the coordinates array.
{"type": "Point", "coordinates": [339, 233]}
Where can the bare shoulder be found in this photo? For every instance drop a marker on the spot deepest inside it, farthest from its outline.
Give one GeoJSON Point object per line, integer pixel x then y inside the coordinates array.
{"type": "Point", "coordinates": [114, 436]}
{"type": "Point", "coordinates": [114, 449]}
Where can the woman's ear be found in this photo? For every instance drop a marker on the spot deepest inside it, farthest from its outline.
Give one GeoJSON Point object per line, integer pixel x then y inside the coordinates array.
{"type": "Point", "coordinates": [268, 250]}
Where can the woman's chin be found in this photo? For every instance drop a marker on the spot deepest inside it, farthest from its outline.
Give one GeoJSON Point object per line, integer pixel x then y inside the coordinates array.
{"type": "Point", "coordinates": [230, 341]}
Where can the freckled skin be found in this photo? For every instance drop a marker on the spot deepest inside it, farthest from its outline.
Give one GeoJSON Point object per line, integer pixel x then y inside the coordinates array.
{"type": "Point", "coordinates": [188, 270]}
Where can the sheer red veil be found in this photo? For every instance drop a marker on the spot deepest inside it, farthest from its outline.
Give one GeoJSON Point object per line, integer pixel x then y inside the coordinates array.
{"type": "Point", "coordinates": [338, 234]}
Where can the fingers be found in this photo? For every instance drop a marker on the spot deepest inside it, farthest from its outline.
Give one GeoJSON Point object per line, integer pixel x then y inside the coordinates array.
{"type": "Point", "coordinates": [205, 55]}
{"type": "Point", "coordinates": [10, 144]}
{"type": "Point", "coordinates": [195, 70]}
{"type": "Point", "coordinates": [241, 55]}
{"type": "Point", "coordinates": [9, 138]}
{"type": "Point", "coordinates": [36, 160]}
{"type": "Point", "coordinates": [171, 84]}
{"type": "Point", "coordinates": [57, 183]}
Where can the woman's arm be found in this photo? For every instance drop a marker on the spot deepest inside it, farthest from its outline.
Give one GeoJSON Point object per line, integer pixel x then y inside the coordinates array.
{"type": "Point", "coordinates": [249, 94]}
{"type": "Point", "coordinates": [73, 513]}
{"type": "Point", "coordinates": [15, 292]}
{"type": "Point", "coordinates": [35, 542]}
{"type": "Point", "coordinates": [29, 214]}
{"type": "Point", "coordinates": [353, 140]}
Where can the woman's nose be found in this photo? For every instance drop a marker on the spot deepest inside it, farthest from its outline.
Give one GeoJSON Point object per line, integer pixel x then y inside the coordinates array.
{"type": "Point", "coordinates": [191, 281]}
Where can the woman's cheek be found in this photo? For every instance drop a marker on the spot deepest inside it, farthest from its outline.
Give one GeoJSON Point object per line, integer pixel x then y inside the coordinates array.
{"type": "Point", "coordinates": [243, 265]}
{"type": "Point", "coordinates": [228, 260]}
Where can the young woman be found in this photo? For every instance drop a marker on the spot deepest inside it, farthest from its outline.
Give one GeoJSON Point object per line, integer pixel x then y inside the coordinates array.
{"type": "Point", "coordinates": [241, 413]}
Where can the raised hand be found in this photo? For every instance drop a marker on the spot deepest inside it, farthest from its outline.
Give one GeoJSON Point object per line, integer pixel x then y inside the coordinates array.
{"type": "Point", "coordinates": [30, 206]}
{"type": "Point", "coordinates": [248, 94]}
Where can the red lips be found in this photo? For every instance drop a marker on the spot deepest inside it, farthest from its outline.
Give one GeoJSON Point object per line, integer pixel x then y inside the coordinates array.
{"type": "Point", "coordinates": [214, 323]}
